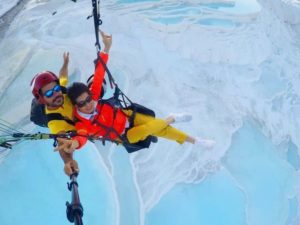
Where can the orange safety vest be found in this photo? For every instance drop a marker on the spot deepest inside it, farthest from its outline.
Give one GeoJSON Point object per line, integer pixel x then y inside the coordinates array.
{"type": "Point", "coordinates": [109, 122]}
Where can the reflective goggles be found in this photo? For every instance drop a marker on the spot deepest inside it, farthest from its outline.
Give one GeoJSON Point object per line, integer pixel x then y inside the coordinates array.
{"type": "Point", "coordinates": [84, 102]}
{"type": "Point", "coordinates": [49, 93]}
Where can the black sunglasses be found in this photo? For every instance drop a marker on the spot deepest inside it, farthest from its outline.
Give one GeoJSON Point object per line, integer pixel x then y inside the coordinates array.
{"type": "Point", "coordinates": [84, 102]}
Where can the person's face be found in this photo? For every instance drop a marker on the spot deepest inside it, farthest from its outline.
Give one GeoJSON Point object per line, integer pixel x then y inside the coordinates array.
{"type": "Point", "coordinates": [84, 103]}
{"type": "Point", "coordinates": [52, 95]}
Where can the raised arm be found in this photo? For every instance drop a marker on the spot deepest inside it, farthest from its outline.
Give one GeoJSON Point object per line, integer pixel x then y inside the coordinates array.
{"type": "Point", "coordinates": [63, 73]}
{"type": "Point", "coordinates": [107, 41]}
{"type": "Point", "coordinates": [100, 70]}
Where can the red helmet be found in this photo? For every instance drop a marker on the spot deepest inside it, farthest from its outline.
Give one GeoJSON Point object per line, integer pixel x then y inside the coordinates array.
{"type": "Point", "coordinates": [40, 80]}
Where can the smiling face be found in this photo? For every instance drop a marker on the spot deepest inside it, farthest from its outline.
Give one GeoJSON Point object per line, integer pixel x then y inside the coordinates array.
{"type": "Point", "coordinates": [52, 95]}
{"type": "Point", "coordinates": [84, 103]}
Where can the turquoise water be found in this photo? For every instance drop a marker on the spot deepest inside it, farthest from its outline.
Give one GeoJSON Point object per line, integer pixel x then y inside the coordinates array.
{"type": "Point", "coordinates": [208, 14]}
{"type": "Point", "coordinates": [254, 190]}
{"type": "Point", "coordinates": [218, 22]}
{"type": "Point", "coordinates": [216, 201]}
{"type": "Point", "coordinates": [293, 156]}
{"type": "Point", "coordinates": [33, 187]}
{"type": "Point", "coordinates": [126, 191]}
{"type": "Point", "coordinates": [293, 205]}
{"type": "Point", "coordinates": [265, 176]}
{"type": "Point", "coordinates": [169, 20]}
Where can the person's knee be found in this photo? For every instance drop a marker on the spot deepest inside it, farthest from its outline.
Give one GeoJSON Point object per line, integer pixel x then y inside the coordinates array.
{"type": "Point", "coordinates": [133, 139]}
{"type": "Point", "coordinates": [134, 136]}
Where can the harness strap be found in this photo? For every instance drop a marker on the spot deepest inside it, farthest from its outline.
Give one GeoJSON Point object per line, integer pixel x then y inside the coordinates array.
{"type": "Point", "coordinates": [108, 131]}
{"type": "Point", "coordinates": [63, 89]}
{"type": "Point", "coordinates": [132, 117]}
{"type": "Point", "coordinates": [58, 116]}
{"type": "Point", "coordinates": [110, 128]}
{"type": "Point", "coordinates": [110, 77]}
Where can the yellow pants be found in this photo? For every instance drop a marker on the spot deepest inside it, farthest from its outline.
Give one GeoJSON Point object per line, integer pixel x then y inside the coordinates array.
{"type": "Point", "coordinates": [145, 125]}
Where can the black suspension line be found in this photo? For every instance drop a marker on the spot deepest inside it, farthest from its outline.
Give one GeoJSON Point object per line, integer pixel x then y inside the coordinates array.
{"type": "Point", "coordinates": [97, 22]}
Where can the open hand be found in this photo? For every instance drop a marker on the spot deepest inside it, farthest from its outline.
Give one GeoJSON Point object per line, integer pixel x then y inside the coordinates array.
{"type": "Point", "coordinates": [107, 41]}
{"type": "Point", "coordinates": [66, 57]}
{"type": "Point", "coordinates": [66, 145]}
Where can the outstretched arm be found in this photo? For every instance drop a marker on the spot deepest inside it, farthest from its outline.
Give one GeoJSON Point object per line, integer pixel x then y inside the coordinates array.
{"type": "Point", "coordinates": [71, 165]}
{"type": "Point", "coordinates": [68, 146]}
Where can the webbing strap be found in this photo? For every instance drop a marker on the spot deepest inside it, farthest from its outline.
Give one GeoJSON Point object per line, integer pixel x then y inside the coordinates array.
{"type": "Point", "coordinates": [110, 77]}
{"type": "Point", "coordinates": [58, 116]}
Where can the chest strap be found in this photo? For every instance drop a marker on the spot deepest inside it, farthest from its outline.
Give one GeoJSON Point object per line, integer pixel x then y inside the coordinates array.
{"type": "Point", "coordinates": [58, 116]}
